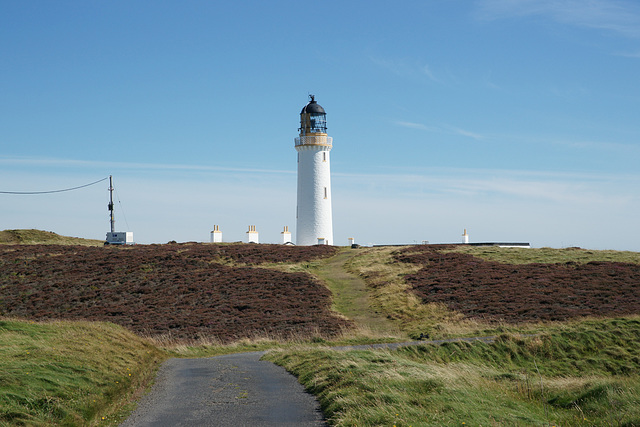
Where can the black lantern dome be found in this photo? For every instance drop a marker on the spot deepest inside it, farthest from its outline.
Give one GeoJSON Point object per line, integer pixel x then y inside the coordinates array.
{"type": "Point", "coordinates": [313, 118]}
{"type": "Point", "coordinates": [312, 107]}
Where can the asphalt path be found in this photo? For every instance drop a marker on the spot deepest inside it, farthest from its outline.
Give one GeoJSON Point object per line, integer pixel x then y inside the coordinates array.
{"type": "Point", "coordinates": [232, 390]}
{"type": "Point", "coordinates": [236, 390]}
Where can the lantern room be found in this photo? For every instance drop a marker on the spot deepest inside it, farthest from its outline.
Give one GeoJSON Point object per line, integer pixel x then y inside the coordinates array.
{"type": "Point", "coordinates": [313, 119]}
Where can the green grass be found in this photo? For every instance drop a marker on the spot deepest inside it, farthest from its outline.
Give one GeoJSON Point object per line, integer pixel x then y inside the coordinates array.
{"type": "Point", "coordinates": [88, 373]}
{"type": "Point", "coordinates": [581, 374]}
{"type": "Point", "coordinates": [204, 347]}
{"type": "Point", "coordinates": [351, 296]}
{"type": "Point", "coordinates": [38, 237]}
{"type": "Point", "coordinates": [547, 255]}
{"type": "Point", "coordinates": [390, 296]}
{"type": "Point", "coordinates": [70, 373]}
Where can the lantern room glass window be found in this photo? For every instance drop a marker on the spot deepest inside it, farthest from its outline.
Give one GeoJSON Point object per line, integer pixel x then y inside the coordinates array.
{"type": "Point", "coordinates": [313, 123]}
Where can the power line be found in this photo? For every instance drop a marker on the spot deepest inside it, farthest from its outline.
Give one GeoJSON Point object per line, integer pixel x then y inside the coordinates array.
{"type": "Point", "coordinates": [53, 191]}
{"type": "Point", "coordinates": [122, 209]}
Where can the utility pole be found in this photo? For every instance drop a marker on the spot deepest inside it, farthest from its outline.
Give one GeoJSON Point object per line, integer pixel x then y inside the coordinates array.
{"type": "Point", "coordinates": [112, 220]}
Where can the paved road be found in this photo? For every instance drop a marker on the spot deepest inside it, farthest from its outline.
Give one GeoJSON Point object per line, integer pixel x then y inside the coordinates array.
{"type": "Point", "coordinates": [236, 390]}
{"type": "Point", "coordinates": [231, 390]}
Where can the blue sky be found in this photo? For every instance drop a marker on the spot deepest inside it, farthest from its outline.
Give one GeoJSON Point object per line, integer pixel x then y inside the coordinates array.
{"type": "Point", "coordinates": [517, 120]}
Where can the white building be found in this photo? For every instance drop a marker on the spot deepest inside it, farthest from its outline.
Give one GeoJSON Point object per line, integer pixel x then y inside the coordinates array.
{"type": "Point", "coordinates": [314, 221]}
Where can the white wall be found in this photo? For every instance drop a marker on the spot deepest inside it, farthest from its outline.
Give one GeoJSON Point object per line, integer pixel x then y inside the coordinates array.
{"type": "Point", "coordinates": [314, 217]}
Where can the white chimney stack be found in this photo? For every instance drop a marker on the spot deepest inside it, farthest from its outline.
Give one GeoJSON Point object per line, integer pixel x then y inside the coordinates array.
{"type": "Point", "coordinates": [216, 235]}
{"type": "Point", "coordinates": [286, 236]}
{"type": "Point", "coordinates": [252, 235]}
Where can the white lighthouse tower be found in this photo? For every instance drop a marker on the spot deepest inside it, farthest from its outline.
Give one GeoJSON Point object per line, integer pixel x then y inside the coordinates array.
{"type": "Point", "coordinates": [314, 224]}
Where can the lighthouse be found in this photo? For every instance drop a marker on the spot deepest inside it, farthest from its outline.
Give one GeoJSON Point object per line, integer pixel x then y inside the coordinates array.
{"type": "Point", "coordinates": [314, 224]}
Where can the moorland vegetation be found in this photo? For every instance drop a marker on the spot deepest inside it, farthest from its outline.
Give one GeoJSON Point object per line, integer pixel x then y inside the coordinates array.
{"type": "Point", "coordinates": [179, 291]}
{"type": "Point", "coordinates": [565, 323]}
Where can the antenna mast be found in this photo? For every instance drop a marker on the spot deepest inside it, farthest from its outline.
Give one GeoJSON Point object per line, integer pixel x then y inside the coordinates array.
{"type": "Point", "coordinates": [121, 237]}
{"type": "Point", "coordinates": [112, 220]}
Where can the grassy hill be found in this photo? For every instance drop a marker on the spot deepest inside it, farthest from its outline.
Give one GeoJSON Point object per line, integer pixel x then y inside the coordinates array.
{"type": "Point", "coordinates": [184, 291]}
{"type": "Point", "coordinates": [579, 374]}
{"type": "Point", "coordinates": [457, 290]}
{"type": "Point", "coordinates": [39, 237]}
{"type": "Point", "coordinates": [583, 371]}
{"type": "Point", "coordinates": [70, 373]}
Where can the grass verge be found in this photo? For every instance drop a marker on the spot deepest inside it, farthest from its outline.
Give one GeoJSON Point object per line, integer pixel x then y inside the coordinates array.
{"type": "Point", "coordinates": [390, 295]}
{"type": "Point", "coordinates": [579, 374]}
{"type": "Point", "coordinates": [351, 297]}
{"type": "Point", "coordinates": [71, 373]}
{"type": "Point", "coordinates": [39, 237]}
{"type": "Point", "coordinates": [208, 347]}
{"type": "Point", "coordinates": [547, 255]}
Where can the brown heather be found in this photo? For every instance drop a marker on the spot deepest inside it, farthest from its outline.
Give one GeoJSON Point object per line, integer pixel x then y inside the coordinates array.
{"type": "Point", "coordinates": [184, 291]}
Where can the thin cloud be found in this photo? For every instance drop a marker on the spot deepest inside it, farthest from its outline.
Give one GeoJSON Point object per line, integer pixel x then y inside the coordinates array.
{"type": "Point", "coordinates": [608, 146]}
{"type": "Point", "coordinates": [405, 68]}
{"type": "Point", "coordinates": [397, 67]}
{"type": "Point", "coordinates": [467, 133]}
{"type": "Point", "coordinates": [427, 71]}
{"type": "Point", "coordinates": [54, 162]}
{"type": "Point", "coordinates": [421, 203]}
{"type": "Point", "coordinates": [628, 54]}
{"type": "Point", "coordinates": [543, 184]}
{"type": "Point", "coordinates": [411, 125]}
{"type": "Point", "coordinates": [620, 17]}
{"type": "Point", "coordinates": [488, 82]}
{"type": "Point", "coordinates": [480, 184]}
{"type": "Point", "coordinates": [452, 130]}
{"type": "Point", "coordinates": [600, 145]}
